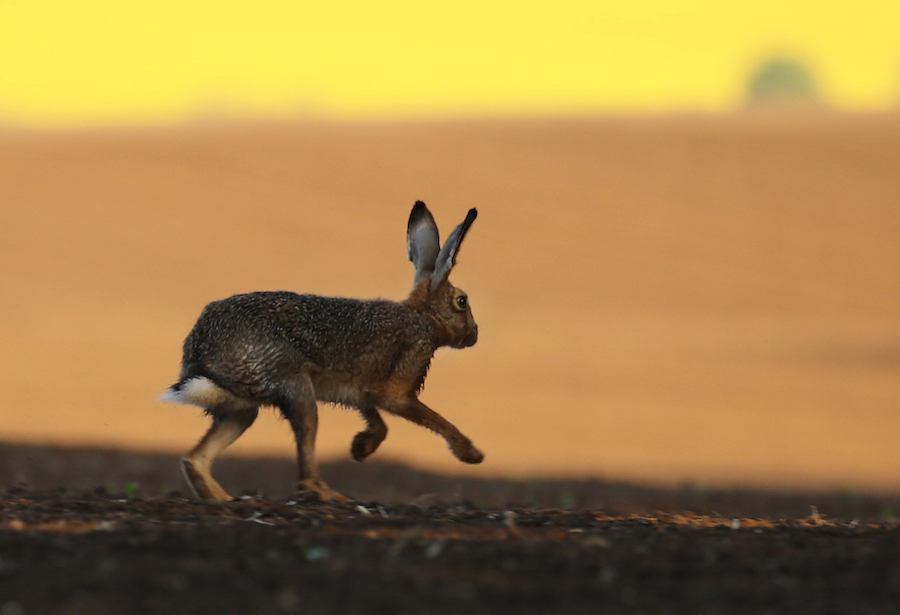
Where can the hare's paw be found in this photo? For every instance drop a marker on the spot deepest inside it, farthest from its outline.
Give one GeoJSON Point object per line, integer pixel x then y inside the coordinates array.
{"type": "Point", "coordinates": [319, 490]}
{"type": "Point", "coordinates": [201, 481]}
{"type": "Point", "coordinates": [466, 452]}
{"type": "Point", "coordinates": [364, 444]}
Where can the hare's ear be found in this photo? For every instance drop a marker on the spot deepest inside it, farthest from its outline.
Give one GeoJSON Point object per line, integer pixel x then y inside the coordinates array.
{"type": "Point", "coordinates": [422, 241]}
{"type": "Point", "coordinates": [447, 256]}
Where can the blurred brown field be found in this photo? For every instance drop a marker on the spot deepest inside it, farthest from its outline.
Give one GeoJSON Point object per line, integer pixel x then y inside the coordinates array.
{"type": "Point", "coordinates": [704, 299]}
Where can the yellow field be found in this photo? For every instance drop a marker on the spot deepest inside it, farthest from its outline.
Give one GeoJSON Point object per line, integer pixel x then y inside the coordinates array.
{"type": "Point", "coordinates": [105, 62]}
{"type": "Point", "coordinates": [671, 299]}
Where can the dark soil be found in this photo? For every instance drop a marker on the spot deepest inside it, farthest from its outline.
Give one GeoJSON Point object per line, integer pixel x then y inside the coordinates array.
{"type": "Point", "coordinates": [106, 532]}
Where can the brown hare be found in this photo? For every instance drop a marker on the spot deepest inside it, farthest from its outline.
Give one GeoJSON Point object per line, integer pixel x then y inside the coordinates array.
{"type": "Point", "coordinates": [289, 351]}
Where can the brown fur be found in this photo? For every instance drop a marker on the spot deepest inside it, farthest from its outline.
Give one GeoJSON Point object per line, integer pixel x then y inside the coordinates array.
{"type": "Point", "coordinates": [291, 351]}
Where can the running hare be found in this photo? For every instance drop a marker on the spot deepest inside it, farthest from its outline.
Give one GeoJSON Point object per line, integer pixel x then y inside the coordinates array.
{"type": "Point", "coordinates": [287, 350]}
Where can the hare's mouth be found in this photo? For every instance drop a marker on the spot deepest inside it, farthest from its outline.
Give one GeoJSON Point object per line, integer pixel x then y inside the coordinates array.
{"type": "Point", "coordinates": [470, 339]}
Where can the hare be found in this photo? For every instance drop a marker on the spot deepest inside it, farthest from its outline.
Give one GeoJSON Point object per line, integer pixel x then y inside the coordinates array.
{"type": "Point", "coordinates": [289, 351]}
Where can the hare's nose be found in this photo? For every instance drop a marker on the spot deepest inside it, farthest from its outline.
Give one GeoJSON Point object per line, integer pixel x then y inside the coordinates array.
{"type": "Point", "coordinates": [472, 337]}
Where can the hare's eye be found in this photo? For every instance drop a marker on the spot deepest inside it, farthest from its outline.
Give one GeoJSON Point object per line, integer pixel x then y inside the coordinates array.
{"type": "Point", "coordinates": [462, 302]}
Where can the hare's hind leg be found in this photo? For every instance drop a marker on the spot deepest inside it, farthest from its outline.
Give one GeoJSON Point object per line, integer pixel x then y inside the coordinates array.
{"type": "Point", "coordinates": [367, 441]}
{"type": "Point", "coordinates": [302, 414]}
{"type": "Point", "coordinates": [227, 427]}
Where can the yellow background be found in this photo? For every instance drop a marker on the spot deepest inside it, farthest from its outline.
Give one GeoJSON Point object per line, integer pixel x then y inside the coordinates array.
{"type": "Point", "coordinates": [113, 62]}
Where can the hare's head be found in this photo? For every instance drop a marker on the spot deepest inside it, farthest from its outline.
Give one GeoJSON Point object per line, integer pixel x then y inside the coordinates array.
{"type": "Point", "coordinates": [432, 291]}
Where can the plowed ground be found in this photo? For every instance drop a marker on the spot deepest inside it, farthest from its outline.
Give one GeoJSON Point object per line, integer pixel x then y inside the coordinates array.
{"type": "Point", "coordinates": [428, 544]}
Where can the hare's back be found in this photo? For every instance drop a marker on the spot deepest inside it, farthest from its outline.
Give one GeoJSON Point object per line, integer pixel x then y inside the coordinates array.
{"type": "Point", "coordinates": [264, 322]}
{"type": "Point", "coordinates": [262, 339]}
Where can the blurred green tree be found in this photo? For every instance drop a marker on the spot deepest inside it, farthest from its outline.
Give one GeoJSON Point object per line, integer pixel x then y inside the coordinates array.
{"type": "Point", "coordinates": [782, 81]}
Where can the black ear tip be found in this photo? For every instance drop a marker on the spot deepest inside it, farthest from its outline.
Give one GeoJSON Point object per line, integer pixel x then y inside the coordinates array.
{"type": "Point", "coordinates": [418, 212]}
{"type": "Point", "coordinates": [473, 213]}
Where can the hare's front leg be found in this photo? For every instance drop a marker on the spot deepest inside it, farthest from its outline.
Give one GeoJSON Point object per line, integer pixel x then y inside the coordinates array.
{"type": "Point", "coordinates": [302, 414]}
{"type": "Point", "coordinates": [367, 441]}
{"type": "Point", "coordinates": [228, 425]}
{"type": "Point", "coordinates": [415, 411]}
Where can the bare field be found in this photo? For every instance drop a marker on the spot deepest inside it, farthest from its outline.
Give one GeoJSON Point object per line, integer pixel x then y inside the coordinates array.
{"type": "Point", "coordinates": [117, 539]}
{"type": "Point", "coordinates": [712, 300]}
